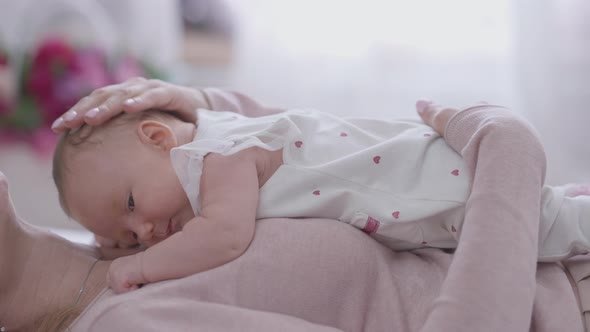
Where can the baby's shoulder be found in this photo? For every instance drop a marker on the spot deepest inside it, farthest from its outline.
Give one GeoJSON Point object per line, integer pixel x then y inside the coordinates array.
{"type": "Point", "coordinates": [265, 162]}
{"type": "Point", "coordinates": [240, 157]}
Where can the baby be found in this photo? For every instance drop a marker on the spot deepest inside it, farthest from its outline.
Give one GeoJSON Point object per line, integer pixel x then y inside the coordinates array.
{"type": "Point", "coordinates": [191, 191]}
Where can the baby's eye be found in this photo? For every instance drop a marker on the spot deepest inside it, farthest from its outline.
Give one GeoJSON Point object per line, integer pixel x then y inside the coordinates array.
{"type": "Point", "coordinates": [130, 202]}
{"type": "Point", "coordinates": [134, 235]}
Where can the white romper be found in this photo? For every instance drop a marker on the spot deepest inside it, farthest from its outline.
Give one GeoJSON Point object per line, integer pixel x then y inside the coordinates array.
{"type": "Point", "coordinates": [396, 180]}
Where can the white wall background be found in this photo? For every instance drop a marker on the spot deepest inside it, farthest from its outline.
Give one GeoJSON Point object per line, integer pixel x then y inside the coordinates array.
{"type": "Point", "coordinates": [377, 57]}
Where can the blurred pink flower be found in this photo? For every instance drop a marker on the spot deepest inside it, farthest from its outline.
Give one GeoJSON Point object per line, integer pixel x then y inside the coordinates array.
{"type": "Point", "coordinates": [7, 86]}
{"type": "Point", "coordinates": [4, 109]}
{"type": "Point", "coordinates": [53, 59]}
{"type": "Point", "coordinates": [3, 58]}
{"type": "Point", "coordinates": [55, 53]}
{"type": "Point", "coordinates": [55, 76]}
{"type": "Point", "coordinates": [60, 75]}
{"type": "Point", "coordinates": [8, 136]}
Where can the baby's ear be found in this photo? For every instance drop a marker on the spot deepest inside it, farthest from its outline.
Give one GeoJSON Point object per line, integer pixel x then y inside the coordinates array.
{"type": "Point", "coordinates": [157, 134]}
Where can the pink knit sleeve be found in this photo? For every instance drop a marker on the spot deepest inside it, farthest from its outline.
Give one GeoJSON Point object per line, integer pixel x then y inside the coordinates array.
{"type": "Point", "coordinates": [223, 100]}
{"type": "Point", "coordinates": [490, 284]}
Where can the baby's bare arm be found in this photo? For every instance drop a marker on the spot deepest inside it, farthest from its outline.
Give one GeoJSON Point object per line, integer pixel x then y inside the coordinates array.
{"type": "Point", "coordinates": [224, 230]}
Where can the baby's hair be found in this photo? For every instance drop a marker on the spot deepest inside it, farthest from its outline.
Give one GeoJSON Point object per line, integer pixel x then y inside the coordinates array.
{"type": "Point", "coordinates": [86, 136]}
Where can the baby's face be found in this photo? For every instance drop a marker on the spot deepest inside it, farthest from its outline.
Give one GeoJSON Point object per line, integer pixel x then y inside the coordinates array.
{"type": "Point", "coordinates": [126, 192]}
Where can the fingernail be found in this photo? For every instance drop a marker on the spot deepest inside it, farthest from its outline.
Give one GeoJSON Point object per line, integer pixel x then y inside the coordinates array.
{"type": "Point", "coordinates": [58, 122]}
{"type": "Point", "coordinates": [71, 115]}
{"type": "Point", "coordinates": [129, 102]}
{"type": "Point", "coordinates": [422, 104]}
{"type": "Point", "coordinates": [92, 113]}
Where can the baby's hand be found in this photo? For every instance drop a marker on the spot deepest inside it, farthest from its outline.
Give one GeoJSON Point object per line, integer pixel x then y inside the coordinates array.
{"type": "Point", "coordinates": [134, 95]}
{"type": "Point", "coordinates": [435, 115]}
{"type": "Point", "coordinates": [125, 274]}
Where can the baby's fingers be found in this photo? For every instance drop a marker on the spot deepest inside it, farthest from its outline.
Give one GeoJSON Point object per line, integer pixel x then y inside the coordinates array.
{"type": "Point", "coordinates": [435, 115]}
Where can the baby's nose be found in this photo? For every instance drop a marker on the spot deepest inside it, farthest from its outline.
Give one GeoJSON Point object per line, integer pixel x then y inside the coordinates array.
{"type": "Point", "coordinates": [145, 232]}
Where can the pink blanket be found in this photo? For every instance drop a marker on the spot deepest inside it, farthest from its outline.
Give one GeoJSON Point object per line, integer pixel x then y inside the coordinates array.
{"type": "Point", "coordinates": [312, 275]}
{"type": "Point", "coordinates": [321, 275]}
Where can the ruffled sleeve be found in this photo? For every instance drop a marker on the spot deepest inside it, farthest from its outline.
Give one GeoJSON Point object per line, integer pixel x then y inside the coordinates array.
{"type": "Point", "coordinates": [227, 133]}
{"type": "Point", "coordinates": [187, 161]}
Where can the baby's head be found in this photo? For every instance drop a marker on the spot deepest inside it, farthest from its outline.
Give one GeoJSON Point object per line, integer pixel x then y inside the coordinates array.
{"type": "Point", "coordinates": [117, 179]}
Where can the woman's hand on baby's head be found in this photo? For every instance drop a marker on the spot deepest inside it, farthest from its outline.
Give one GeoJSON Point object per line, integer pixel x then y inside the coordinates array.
{"type": "Point", "coordinates": [434, 115]}
{"type": "Point", "coordinates": [134, 95]}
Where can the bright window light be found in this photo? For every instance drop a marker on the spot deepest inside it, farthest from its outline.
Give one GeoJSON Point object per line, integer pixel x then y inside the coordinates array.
{"type": "Point", "coordinates": [351, 28]}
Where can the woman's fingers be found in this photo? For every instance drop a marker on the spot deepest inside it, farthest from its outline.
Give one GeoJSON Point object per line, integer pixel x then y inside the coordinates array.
{"type": "Point", "coordinates": [72, 118]}
{"type": "Point", "coordinates": [101, 104]}
{"type": "Point", "coordinates": [134, 95]}
{"type": "Point", "coordinates": [435, 115]}
{"type": "Point", "coordinates": [160, 97]}
{"type": "Point", "coordinates": [114, 104]}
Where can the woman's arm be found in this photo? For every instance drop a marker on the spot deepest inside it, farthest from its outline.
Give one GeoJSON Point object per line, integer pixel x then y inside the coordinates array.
{"type": "Point", "coordinates": [490, 285]}
{"type": "Point", "coordinates": [232, 101]}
